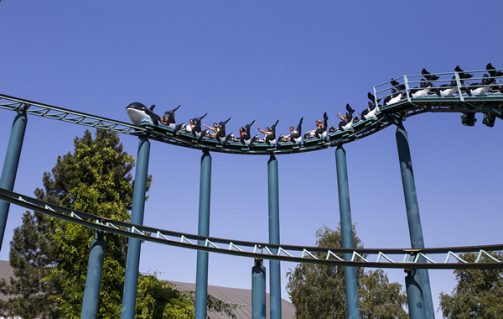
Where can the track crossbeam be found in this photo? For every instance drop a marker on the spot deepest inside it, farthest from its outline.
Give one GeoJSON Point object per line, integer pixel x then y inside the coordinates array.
{"type": "Point", "coordinates": [437, 258]}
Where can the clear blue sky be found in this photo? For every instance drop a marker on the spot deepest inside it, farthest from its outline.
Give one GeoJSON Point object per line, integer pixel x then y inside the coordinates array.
{"type": "Point", "coordinates": [264, 60]}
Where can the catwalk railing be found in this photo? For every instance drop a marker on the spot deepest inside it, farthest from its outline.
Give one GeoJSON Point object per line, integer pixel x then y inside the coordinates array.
{"type": "Point", "coordinates": [487, 256]}
{"type": "Point", "coordinates": [397, 99]}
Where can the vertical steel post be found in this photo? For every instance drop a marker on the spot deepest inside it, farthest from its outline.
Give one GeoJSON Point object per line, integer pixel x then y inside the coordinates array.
{"type": "Point", "coordinates": [134, 244]}
{"type": "Point", "coordinates": [459, 86]}
{"type": "Point", "coordinates": [203, 230]}
{"type": "Point", "coordinates": [418, 281]}
{"type": "Point", "coordinates": [274, 265]}
{"type": "Point", "coordinates": [347, 232]}
{"type": "Point", "coordinates": [11, 164]}
{"type": "Point", "coordinates": [93, 279]}
{"type": "Point", "coordinates": [258, 290]}
{"type": "Point", "coordinates": [415, 296]}
{"type": "Point", "coordinates": [407, 88]}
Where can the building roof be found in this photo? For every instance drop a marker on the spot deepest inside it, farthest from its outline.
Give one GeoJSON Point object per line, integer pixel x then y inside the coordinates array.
{"type": "Point", "coordinates": [5, 273]}
{"type": "Point", "coordinates": [239, 297]}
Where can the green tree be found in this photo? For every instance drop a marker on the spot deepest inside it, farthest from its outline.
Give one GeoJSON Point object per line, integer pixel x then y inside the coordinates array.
{"type": "Point", "coordinates": [158, 299]}
{"type": "Point", "coordinates": [49, 256]}
{"type": "Point", "coordinates": [379, 298]}
{"type": "Point", "coordinates": [31, 256]}
{"type": "Point", "coordinates": [317, 290]}
{"type": "Point", "coordinates": [478, 293]}
{"type": "Point", "coordinates": [95, 178]}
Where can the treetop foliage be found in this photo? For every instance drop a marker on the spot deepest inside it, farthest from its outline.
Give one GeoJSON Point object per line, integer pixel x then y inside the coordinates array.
{"type": "Point", "coordinates": [317, 290]}
{"type": "Point", "coordinates": [478, 293]}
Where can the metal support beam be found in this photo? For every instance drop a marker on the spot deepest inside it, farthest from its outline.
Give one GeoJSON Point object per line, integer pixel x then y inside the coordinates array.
{"type": "Point", "coordinates": [258, 290]}
{"type": "Point", "coordinates": [134, 244]}
{"type": "Point", "coordinates": [11, 164]}
{"type": "Point", "coordinates": [350, 279]}
{"type": "Point", "coordinates": [274, 265]}
{"type": "Point", "coordinates": [415, 296]}
{"type": "Point", "coordinates": [93, 279]}
{"type": "Point", "coordinates": [418, 282]}
{"type": "Point", "coordinates": [203, 230]}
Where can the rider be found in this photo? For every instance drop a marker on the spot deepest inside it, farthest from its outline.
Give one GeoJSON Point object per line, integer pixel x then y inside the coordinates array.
{"type": "Point", "coordinates": [347, 117]}
{"type": "Point", "coordinates": [269, 133]}
{"type": "Point", "coordinates": [244, 132]}
{"type": "Point", "coordinates": [213, 132]}
{"type": "Point", "coordinates": [294, 133]}
{"type": "Point", "coordinates": [169, 117]}
{"type": "Point", "coordinates": [321, 126]}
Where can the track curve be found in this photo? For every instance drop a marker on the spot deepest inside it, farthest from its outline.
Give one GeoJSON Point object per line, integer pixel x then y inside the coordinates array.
{"type": "Point", "coordinates": [491, 102]}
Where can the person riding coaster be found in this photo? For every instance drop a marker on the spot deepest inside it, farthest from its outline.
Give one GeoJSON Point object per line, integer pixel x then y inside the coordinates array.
{"type": "Point", "coordinates": [168, 118]}
{"type": "Point", "coordinates": [370, 113]}
{"type": "Point", "coordinates": [321, 128]}
{"type": "Point", "coordinates": [462, 77]}
{"type": "Point", "coordinates": [194, 126]}
{"type": "Point", "coordinates": [269, 134]}
{"type": "Point", "coordinates": [212, 131]}
{"type": "Point", "coordinates": [497, 88]}
{"type": "Point", "coordinates": [446, 90]}
{"type": "Point", "coordinates": [487, 84]}
{"type": "Point", "coordinates": [451, 89]}
{"type": "Point", "coordinates": [321, 131]}
{"type": "Point", "coordinates": [347, 119]}
{"type": "Point", "coordinates": [244, 135]}
{"type": "Point", "coordinates": [397, 92]}
{"type": "Point", "coordinates": [218, 131]}
{"type": "Point", "coordinates": [295, 135]}
{"type": "Point", "coordinates": [223, 137]}
{"type": "Point", "coordinates": [481, 88]}
{"type": "Point", "coordinates": [425, 85]}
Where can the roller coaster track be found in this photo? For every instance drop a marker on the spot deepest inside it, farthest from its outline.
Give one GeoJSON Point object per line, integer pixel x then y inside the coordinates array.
{"type": "Point", "coordinates": [487, 256]}
{"type": "Point", "coordinates": [488, 103]}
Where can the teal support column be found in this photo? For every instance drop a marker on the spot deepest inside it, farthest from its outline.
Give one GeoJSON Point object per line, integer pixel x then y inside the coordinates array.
{"type": "Point", "coordinates": [93, 279]}
{"type": "Point", "coordinates": [11, 164]}
{"type": "Point", "coordinates": [417, 282]}
{"type": "Point", "coordinates": [415, 296]}
{"type": "Point", "coordinates": [258, 290]}
{"type": "Point", "coordinates": [134, 245]}
{"type": "Point", "coordinates": [274, 265]}
{"type": "Point", "coordinates": [203, 230]}
{"type": "Point", "coordinates": [347, 233]}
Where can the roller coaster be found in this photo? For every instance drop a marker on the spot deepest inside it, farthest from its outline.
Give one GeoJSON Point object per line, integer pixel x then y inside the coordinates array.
{"type": "Point", "coordinates": [401, 92]}
{"type": "Point", "coordinates": [390, 103]}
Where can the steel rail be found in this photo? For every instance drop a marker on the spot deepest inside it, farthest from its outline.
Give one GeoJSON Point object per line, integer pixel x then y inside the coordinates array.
{"type": "Point", "coordinates": [407, 258]}
{"type": "Point", "coordinates": [406, 107]}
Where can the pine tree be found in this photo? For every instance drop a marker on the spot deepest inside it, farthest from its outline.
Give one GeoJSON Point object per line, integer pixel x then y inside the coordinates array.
{"type": "Point", "coordinates": [31, 257]}
{"type": "Point", "coordinates": [49, 256]}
